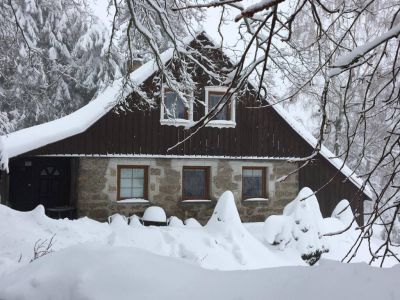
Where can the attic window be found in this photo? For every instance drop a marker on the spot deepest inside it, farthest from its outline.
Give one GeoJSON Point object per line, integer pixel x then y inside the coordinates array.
{"type": "Point", "coordinates": [174, 110]}
{"type": "Point", "coordinates": [226, 117]}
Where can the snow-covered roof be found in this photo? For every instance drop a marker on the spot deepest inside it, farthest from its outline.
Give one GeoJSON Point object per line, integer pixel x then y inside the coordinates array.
{"type": "Point", "coordinates": [34, 137]}
{"type": "Point", "coordinates": [325, 152]}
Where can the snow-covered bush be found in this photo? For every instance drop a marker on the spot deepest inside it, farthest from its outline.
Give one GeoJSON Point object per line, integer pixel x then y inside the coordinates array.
{"type": "Point", "coordinates": [134, 221]}
{"type": "Point", "coordinates": [343, 213]}
{"type": "Point", "coordinates": [299, 227]}
{"type": "Point", "coordinates": [225, 218]}
{"type": "Point", "coordinates": [175, 222]}
{"type": "Point", "coordinates": [117, 219]}
{"type": "Point", "coordinates": [192, 223]}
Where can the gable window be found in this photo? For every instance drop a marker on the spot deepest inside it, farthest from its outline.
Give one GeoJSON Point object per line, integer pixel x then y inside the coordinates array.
{"type": "Point", "coordinates": [195, 183]}
{"type": "Point", "coordinates": [254, 183]}
{"type": "Point", "coordinates": [174, 110]}
{"type": "Point", "coordinates": [132, 182]}
{"type": "Point", "coordinates": [226, 116]}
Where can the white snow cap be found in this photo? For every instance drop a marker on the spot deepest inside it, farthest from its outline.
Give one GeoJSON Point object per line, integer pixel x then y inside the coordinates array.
{"type": "Point", "coordinates": [225, 214]}
{"type": "Point", "coordinates": [192, 223]}
{"type": "Point", "coordinates": [175, 222]}
{"type": "Point", "coordinates": [154, 214]}
{"type": "Point", "coordinates": [300, 226]}
{"type": "Point", "coordinates": [134, 221]}
{"type": "Point", "coordinates": [344, 213]}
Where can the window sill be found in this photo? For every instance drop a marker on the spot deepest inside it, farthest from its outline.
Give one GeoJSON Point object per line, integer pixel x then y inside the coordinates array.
{"type": "Point", "coordinates": [196, 202]}
{"type": "Point", "coordinates": [133, 201]}
{"type": "Point", "coordinates": [221, 124]}
{"type": "Point", "coordinates": [255, 201]}
{"type": "Point", "coordinates": [176, 122]}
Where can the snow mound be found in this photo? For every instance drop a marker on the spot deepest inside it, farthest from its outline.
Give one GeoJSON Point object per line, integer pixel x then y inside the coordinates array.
{"type": "Point", "coordinates": [192, 223]}
{"type": "Point", "coordinates": [343, 213]}
{"type": "Point", "coordinates": [154, 214]}
{"type": "Point", "coordinates": [134, 221]}
{"type": "Point", "coordinates": [225, 217]}
{"type": "Point", "coordinates": [228, 232]}
{"type": "Point", "coordinates": [175, 222]}
{"type": "Point", "coordinates": [301, 227]}
{"type": "Point", "coordinates": [95, 272]}
{"type": "Point", "coordinates": [19, 231]}
{"type": "Point", "coordinates": [117, 220]}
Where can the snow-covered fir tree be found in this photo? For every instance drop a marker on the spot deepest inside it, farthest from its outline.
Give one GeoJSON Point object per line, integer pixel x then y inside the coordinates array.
{"type": "Point", "coordinates": [54, 57]}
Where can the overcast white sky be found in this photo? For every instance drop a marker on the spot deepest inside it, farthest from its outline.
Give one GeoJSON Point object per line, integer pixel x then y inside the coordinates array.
{"type": "Point", "coordinates": [99, 7]}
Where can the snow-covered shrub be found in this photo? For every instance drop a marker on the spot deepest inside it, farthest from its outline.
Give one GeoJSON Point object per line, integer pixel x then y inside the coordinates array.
{"type": "Point", "coordinates": [225, 217]}
{"type": "Point", "coordinates": [117, 219]}
{"type": "Point", "coordinates": [175, 222]}
{"type": "Point", "coordinates": [343, 213]}
{"type": "Point", "coordinates": [192, 223]}
{"type": "Point", "coordinates": [300, 227]}
{"type": "Point", "coordinates": [134, 221]}
{"type": "Point", "coordinates": [42, 248]}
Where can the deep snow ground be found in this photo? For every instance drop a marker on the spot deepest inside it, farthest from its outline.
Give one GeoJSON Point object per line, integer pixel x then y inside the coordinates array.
{"type": "Point", "coordinates": [223, 260]}
{"type": "Point", "coordinates": [106, 272]}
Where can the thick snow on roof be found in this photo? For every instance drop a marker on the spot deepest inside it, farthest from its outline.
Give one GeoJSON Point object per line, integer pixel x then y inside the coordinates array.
{"type": "Point", "coordinates": [31, 138]}
{"type": "Point", "coordinates": [34, 137]}
{"type": "Point", "coordinates": [325, 152]}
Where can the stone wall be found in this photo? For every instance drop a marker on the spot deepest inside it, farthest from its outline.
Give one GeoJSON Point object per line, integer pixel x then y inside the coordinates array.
{"type": "Point", "coordinates": [97, 187]}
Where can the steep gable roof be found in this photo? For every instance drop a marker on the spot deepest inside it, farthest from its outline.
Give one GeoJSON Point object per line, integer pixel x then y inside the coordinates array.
{"type": "Point", "coordinates": [25, 140]}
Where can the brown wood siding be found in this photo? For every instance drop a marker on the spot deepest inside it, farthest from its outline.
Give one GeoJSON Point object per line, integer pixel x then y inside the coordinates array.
{"type": "Point", "coordinates": [259, 132]}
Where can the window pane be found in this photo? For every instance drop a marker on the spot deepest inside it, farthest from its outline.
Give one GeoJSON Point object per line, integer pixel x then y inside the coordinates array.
{"type": "Point", "coordinates": [125, 193]}
{"type": "Point", "coordinates": [137, 192]}
{"type": "Point", "coordinates": [253, 183]}
{"type": "Point", "coordinates": [194, 183]}
{"type": "Point", "coordinates": [138, 183]}
{"type": "Point", "coordinates": [213, 100]}
{"type": "Point", "coordinates": [252, 173]}
{"type": "Point", "coordinates": [174, 108]}
{"type": "Point", "coordinates": [131, 183]}
{"type": "Point", "coordinates": [126, 173]}
{"type": "Point", "coordinates": [137, 173]}
{"type": "Point", "coordinates": [126, 183]}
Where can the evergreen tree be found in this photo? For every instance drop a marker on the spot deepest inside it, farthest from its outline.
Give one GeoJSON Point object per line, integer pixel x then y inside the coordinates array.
{"type": "Point", "coordinates": [54, 57]}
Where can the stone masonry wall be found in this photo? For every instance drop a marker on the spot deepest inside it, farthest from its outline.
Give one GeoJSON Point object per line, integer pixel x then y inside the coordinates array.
{"type": "Point", "coordinates": [97, 187]}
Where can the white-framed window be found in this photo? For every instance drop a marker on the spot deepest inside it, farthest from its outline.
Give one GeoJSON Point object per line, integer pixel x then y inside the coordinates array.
{"type": "Point", "coordinates": [227, 116]}
{"type": "Point", "coordinates": [173, 110]}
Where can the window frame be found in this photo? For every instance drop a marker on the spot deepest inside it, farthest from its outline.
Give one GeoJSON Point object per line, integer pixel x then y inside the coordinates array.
{"type": "Point", "coordinates": [264, 181]}
{"type": "Point", "coordinates": [145, 181]}
{"type": "Point", "coordinates": [207, 195]}
{"type": "Point", "coordinates": [231, 110]}
{"type": "Point", "coordinates": [176, 122]}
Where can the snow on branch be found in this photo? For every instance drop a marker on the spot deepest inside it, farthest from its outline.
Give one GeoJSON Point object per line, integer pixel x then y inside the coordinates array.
{"type": "Point", "coordinates": [352, 58]}
{"type": "Point", "coordinates": [255, 8]}
{"type": "Point", "coordinates": [206, 5]}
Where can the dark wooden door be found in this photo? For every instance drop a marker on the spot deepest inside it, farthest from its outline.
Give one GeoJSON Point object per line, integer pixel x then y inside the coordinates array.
{"type": "Point", "coordinates": [35, 181]}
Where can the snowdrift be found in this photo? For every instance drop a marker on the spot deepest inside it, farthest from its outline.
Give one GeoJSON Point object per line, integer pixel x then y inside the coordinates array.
{"type": "Point", "coordinates": [103, 272]}
{"type": "Point", "coordinates": [224, 243]}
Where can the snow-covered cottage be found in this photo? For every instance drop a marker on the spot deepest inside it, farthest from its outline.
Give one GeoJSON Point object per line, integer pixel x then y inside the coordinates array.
{"type": "Point", "coordinates": [101, 160]}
